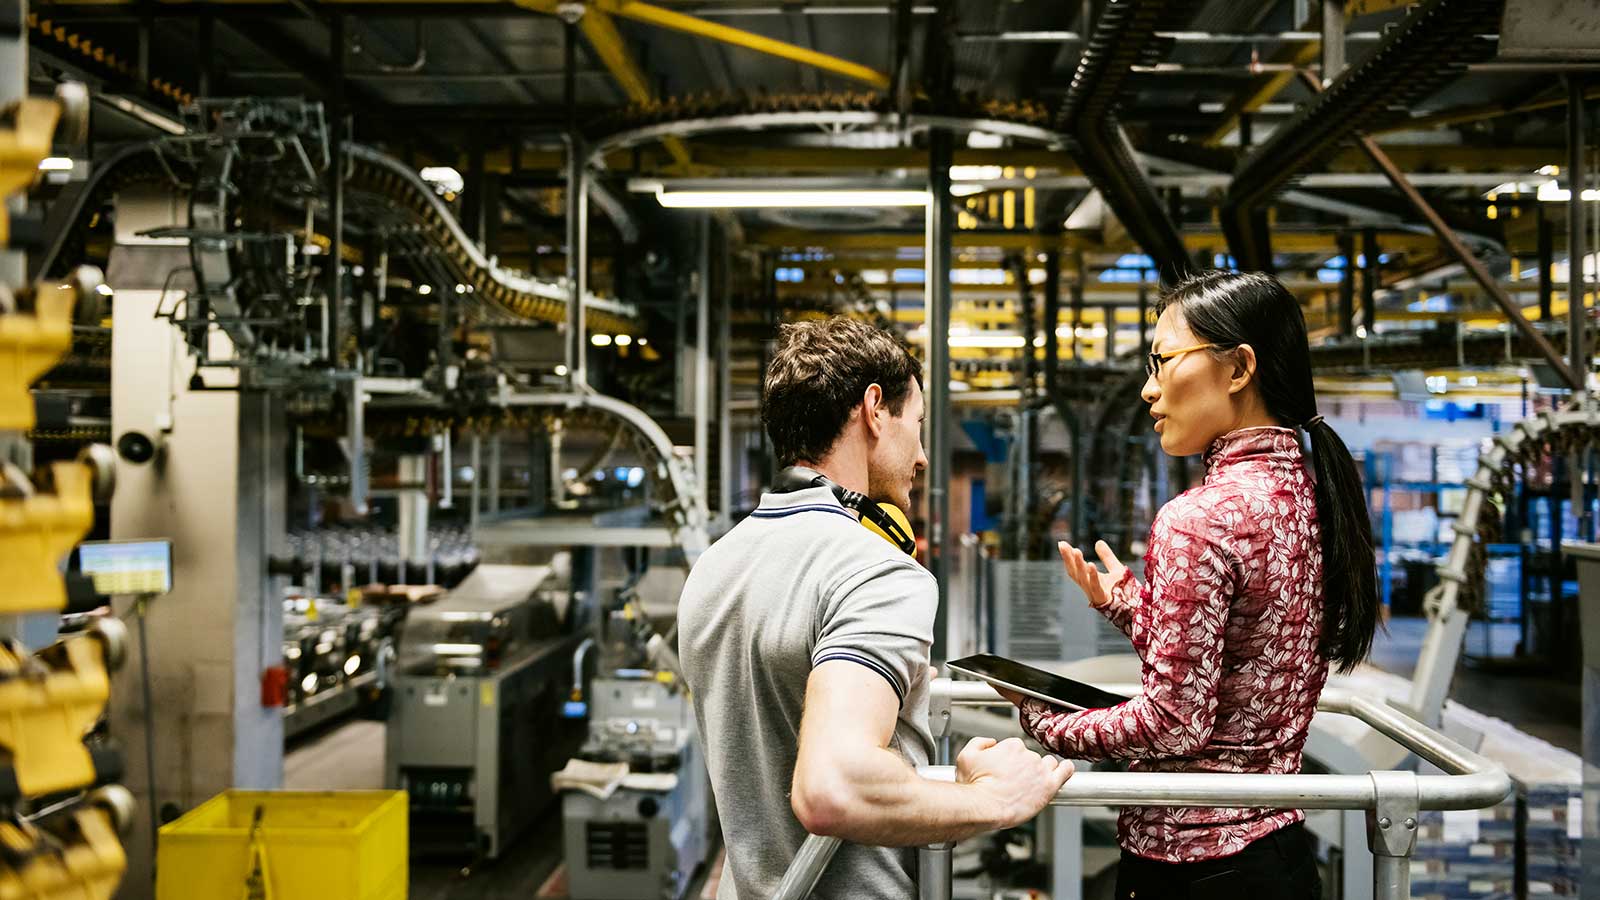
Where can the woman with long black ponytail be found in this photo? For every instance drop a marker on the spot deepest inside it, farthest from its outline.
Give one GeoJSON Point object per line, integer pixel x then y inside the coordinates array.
{"type": "Point", "coordinates": [1257, 583]}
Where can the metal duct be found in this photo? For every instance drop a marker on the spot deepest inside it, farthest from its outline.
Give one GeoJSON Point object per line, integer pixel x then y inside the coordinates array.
{"type": "Point", "coordinates": [1431, 46]}
{"type": "Point", "coordinates": [1124, 35]}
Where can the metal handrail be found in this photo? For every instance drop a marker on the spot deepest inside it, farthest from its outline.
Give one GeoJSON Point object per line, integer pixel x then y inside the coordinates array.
{"type": "Point", "coordinates": [1391, 798]}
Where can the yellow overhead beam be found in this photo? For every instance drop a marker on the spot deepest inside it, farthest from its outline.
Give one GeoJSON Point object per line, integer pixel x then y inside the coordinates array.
{"type": "Point", "coordinates": [1354, 8]}
{"type": "Point", "coordinates": [651, 14]}
{"type": "Point", "coordinates": [614, 54]}
{"type": "Point", "coordinates": [618, 59]}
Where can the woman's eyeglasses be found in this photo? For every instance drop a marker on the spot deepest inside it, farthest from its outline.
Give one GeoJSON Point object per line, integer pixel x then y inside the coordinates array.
{"type": "Point", "coordinates": [1152, 365]}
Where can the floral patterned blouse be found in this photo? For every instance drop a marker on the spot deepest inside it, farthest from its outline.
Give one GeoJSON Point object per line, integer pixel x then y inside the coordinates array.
{"type": "Point", "coordinates": [1227, 627]}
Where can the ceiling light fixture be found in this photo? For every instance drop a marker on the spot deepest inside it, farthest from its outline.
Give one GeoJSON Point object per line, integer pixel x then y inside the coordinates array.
{"type": "Point", "coordinates": [445, 179]}
{"type": "Point", "coordinates": [788, 199]}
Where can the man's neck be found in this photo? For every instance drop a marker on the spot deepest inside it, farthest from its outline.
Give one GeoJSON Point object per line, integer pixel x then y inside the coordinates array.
{"type": "Point", "coordinates": [843, 467]}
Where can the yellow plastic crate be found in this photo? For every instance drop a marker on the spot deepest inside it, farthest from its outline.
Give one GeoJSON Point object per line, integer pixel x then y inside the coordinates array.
{"type": "Point", "coordinates": [346, 844]}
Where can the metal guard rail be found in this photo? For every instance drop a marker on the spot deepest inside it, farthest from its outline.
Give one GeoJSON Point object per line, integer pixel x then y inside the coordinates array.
{"type": "Point", "coordinates": [1392, 799]}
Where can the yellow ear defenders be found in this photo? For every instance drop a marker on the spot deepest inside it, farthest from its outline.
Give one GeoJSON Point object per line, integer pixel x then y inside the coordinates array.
{"type": "Point", "coordinates": [883, 519]}
{"type": "Point", "coordinates": [899, 532]}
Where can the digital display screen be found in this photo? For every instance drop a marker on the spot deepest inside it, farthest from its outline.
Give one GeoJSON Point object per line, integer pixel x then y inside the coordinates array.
{"type": "Point", "coordinates": [1033, 682]}
{"type": "Point", "coordinates": [127, 567]}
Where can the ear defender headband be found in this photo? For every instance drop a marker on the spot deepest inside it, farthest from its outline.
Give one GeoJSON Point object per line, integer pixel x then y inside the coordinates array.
{"type": "Point", "coordinates": [884, 519]}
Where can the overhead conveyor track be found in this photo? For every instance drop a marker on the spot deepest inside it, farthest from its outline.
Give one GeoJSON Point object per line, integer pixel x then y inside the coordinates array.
{"type": "Point", "coordinates": [1124, 36]}
{"type": "Point", "coordinates": [1430, 47]}
{"type": "Point", "coordinates": [420, 218]}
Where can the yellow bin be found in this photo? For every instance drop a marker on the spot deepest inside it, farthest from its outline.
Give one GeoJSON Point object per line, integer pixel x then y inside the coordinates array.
{"type": "Point", "coordinates": [309, 844]}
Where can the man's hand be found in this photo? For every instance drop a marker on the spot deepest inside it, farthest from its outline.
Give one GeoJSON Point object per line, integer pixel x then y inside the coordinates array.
{"type": "Point", "coordinates": [1019, 781]}
{"type": "Point", "coordinates": [1095, 583]}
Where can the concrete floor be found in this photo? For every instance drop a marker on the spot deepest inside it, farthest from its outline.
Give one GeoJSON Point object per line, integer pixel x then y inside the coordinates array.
{"type": "Point", "coordinates": [1540, 704]}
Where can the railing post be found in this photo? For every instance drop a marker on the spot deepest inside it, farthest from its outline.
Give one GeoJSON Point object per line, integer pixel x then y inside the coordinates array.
{"type": "Point", "coordinates": [1392, 833]}
{"type": "Point", "coordinates": [806, 869]}
{"type": "Point", "coordinates": [934, 873]}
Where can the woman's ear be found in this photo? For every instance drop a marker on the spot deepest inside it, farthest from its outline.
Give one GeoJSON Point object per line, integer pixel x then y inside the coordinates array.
{"type": "Point", "coordinates": [1244, 368]}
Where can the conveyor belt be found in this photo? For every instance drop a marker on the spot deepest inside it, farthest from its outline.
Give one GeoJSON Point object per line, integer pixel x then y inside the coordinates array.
{"type": "Point", "coordinates": [383, 183]}
{"type": "Point", "coordinates": [1434, 43]}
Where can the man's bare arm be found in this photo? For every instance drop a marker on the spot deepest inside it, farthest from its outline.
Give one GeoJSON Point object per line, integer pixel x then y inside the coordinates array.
{"type": "Point", "coordinates": [849, 784]}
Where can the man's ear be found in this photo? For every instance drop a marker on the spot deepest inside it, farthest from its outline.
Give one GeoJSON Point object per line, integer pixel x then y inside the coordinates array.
{"type": "Point", "coordinates": [1244, 368]}
{"type": "Point", "coordinates": [871, 407]}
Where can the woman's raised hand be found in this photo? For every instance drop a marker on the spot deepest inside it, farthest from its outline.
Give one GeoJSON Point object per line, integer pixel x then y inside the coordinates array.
{"type": "Point", "coordinates": [1095, 583]}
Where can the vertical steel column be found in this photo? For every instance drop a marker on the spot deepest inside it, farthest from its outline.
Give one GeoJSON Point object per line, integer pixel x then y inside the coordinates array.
{"type": "Point", "coordinates": [356, 437]}
{"type": "Point", "coordinates": [1025, 377]}
{"type": "Point", "coordinates": [936, 256]}
{"type": "Point", "coordinates": [337, 137]}
{"type": "Point", "coordinates": [14, 87]}
{"type": "Point", "coordinates": [1547, 253]}
{"type": "Point", "coordinates": [577, 228]}
{"type": "Point", "coordinates": [1052, 319]}
{"type": "Point", "coordinates": [1080, 440]}
{"type": "Point", "coordinates": [1588, 565]}
{"type": "Point", "coordinates": [577, 264]}
{"type": "Point", "coordinates": [412, 507]}
{"type": "Point", "coordinates": [476, 492]}
{"type": "Point", "coordinates": [1077, 302]}
{"type": "Point", "coordinates": [1577, 347]}
{"type": "Point", "coordinates": [494, 475]}
{"type": "Point", "coordinates": [1144, 315]}
{"type": "Point", "coordinates": [1347, 285]}
{"type": "Point", "coordinates": [1369, 281]}
{"type": "Point", "coordinates": [702, 361]}
{"type": "Point", "coordinates": [1332, 40]}
{"type": "Point", "coordinates": [725, 496]}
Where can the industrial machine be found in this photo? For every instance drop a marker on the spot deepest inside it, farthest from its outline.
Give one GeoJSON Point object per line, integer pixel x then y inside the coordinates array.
{"type": "Point", "coordinates": [338, 658]}
{"type": "Point", "coordinates": [475, 728]}
{"type": "Point", "coordinates": [646, 837]}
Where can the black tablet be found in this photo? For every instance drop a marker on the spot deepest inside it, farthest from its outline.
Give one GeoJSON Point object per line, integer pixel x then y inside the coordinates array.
{"type": "Point", "coordinates": [1006, 673]}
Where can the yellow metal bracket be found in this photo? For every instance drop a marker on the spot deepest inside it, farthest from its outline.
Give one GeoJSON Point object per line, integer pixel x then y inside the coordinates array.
{"type": "Point", "coordinates": [29, 345]}
{"type": "Point", "coordinates": [82, 860]}
{"type": "Point", "coordinates": [45, 715]}
{"type": "Point", "coordinates": [26, 143]}
{"type": "Point", "coordinates": [35, 532]}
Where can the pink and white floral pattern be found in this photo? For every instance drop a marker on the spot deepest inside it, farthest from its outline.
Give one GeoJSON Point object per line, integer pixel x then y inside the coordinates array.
{"type": "Point", "coordinates": [1227, 626]}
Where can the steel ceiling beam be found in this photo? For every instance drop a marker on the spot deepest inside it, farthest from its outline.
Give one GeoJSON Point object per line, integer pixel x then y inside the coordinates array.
{"type": "Point", "coordinates": [1209, 239]}
{"type": "Point", "coordinates": [1269, 87]}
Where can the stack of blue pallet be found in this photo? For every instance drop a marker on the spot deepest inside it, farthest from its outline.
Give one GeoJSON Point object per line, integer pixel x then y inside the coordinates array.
{"type": "Point", "coordinates": [1466, 855]}
{"type": "Point", "coordinates": [1552, 829]}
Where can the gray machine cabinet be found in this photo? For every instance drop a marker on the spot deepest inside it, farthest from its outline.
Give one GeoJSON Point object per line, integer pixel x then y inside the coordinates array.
{"type": "Point", "coordinates": [475, 748]}
{"type": "Point", "coordinates": [639, 844]}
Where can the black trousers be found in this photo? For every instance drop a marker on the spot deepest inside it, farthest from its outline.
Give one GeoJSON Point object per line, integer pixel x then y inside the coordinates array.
{"type": "Point", "coordinates": [1278, 866]}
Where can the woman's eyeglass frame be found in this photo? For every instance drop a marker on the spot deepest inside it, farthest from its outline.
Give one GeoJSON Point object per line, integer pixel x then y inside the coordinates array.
{"type": "Point", "coordinates": [1152, 365]}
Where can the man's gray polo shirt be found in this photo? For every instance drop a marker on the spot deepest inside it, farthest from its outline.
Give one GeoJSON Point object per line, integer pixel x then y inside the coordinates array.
{"type": "Point", "coordinates": [799, 582]}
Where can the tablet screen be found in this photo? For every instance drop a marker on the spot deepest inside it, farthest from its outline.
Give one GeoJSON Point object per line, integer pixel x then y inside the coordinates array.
{"type": "Point", "coordinates": [1033, 682]}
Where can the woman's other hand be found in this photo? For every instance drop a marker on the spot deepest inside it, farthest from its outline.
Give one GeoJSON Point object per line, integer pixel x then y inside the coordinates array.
{"type": "Point", "coordinates": [1011, 696]}
{"type": "Point", "coordinates": [1095, 583]}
